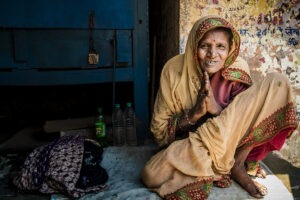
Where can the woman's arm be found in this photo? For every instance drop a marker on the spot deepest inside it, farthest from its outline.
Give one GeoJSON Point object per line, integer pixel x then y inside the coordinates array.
{"type": "Point", "coordinates": [163, 121]}
{"type": "Point", "coordinates": [168, 119]}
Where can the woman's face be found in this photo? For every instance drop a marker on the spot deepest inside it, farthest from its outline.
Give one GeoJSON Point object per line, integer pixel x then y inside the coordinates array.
{"type": "Point", "coordinates": [213, 50]}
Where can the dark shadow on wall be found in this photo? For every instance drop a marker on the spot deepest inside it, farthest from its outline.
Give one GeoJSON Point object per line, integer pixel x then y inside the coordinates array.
{"type": "Point", "coordinates": [35, 104]}
{"type": "Point", "coordinates": [164, 39]}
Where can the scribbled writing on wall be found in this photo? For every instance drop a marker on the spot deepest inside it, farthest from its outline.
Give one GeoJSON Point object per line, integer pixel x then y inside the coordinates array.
{"type": "Point", "coordinates": [292, 34]}
{"type": "Point", "coordinates": [269, 31]}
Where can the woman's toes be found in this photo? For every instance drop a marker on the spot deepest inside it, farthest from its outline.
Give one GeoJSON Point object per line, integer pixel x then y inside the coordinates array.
{"type": "Point", "coordinates": [261, 173]}
{"type": "Point", "coordinates": [252, 190]}
{"type": "Point", "coordinates": [263, 190]}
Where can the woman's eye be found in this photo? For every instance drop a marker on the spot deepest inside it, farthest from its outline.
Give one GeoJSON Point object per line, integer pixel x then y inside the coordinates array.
{"type": "Point", "coordinates": [203, 46]}
{"type": "Point", "coordinates": [222, 47]}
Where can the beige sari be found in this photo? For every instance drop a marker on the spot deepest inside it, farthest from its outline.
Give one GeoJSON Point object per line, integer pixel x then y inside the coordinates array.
{"type": "Point", "coordinates": [188, 167]}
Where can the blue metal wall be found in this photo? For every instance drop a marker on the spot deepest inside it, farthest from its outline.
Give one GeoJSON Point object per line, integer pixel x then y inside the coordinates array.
{"type": "Point", "coordinates": [112, 14]}
{"type": "Point", "coordinates": [47, 42]}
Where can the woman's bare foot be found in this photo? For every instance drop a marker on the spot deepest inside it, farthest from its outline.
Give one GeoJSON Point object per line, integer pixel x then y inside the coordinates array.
{"type": "Point", "coordinates": [239, 174]}
{"type": "Point", "coordinates": [254, 169]}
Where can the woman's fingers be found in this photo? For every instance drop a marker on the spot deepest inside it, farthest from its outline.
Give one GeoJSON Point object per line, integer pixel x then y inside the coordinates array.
{"type": "Point", "coordinates": [205, 91]}
{"type": "Point", "coordinates": [207, 84]}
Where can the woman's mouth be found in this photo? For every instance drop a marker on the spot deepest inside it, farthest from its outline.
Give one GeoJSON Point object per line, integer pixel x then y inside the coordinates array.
{"type": "Point", "coordinates": [211, 63]}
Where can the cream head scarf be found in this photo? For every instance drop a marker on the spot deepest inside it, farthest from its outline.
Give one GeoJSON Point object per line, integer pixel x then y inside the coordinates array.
{"type": "Point", "coordinates": [187, 88]}
{"type": "Point", "coordinates": [181, 76]}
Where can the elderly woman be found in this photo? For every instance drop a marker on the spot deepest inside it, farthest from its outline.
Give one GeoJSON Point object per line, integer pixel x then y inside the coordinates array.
{"type": "Point", "coordinates": [212, 119]}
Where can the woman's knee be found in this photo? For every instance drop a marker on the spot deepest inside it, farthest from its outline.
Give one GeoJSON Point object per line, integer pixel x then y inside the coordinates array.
{"type": "Point", "coordinates": [154, 176]}
{"type": "Point", "coordinates": [147, 177]}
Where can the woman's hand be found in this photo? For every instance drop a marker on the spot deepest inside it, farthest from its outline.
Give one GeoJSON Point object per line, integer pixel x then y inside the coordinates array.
{"type": "Point", "coordinates": [206, 102]}
{"type": "Point", "coordinates": [211, 104]}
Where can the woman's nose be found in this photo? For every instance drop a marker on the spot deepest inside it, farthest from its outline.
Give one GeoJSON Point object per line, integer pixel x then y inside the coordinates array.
{"type": "Point", "coordinates": [212, 52]}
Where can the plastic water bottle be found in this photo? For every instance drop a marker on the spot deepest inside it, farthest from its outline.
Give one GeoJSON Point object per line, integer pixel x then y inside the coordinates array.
{"type": "Point", "coordinates": [118, 126]}
{"type": "Point", "coordinates": [130, 125]}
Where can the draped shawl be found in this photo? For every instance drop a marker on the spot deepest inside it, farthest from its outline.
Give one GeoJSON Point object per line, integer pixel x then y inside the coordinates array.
{"type": "Point", "coordinates": [181, 76]}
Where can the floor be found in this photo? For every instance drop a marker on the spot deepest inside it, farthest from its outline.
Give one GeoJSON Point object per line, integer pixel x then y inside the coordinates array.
{"type": "Point", "coordinates": [287, 173]}
{"type": "Point", "coordinates": [15, 144]}
{"type": "Point", "coordinates": [23, 140]}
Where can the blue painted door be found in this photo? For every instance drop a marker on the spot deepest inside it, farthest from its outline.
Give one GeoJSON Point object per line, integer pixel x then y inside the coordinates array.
{"type": "Point", "coordinates": [47, 42]}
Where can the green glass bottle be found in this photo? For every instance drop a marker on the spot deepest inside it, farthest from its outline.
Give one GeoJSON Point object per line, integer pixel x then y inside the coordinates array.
{"type": "Point", "coordinates": [101, 129]}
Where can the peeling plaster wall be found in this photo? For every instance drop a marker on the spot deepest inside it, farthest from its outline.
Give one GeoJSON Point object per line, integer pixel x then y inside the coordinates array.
{"type": "Point", "coordinates": [269, 32]}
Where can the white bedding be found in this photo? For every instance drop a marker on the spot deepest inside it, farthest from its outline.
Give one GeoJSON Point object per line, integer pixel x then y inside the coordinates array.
{"type": "Point", "coordinates": [124, 165]}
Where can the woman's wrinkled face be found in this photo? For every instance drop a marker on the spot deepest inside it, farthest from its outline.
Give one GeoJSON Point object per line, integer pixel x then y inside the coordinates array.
{"type": "Point", "coordinates": [213, 50]}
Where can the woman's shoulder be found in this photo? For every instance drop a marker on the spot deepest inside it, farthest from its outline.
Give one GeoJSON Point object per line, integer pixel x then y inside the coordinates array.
{"type": "Point", "coordinates": [240, 63]}
{"type": "Point", "coordinates": [239, 71]}
{"type": "Point", "coordinates": [175, 62]}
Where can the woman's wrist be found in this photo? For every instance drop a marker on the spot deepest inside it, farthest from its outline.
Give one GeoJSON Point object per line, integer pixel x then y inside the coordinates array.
{"type": "Point", "coordinates": [185, 121]}
{"type": "Point", "coordinates": [189, 118]}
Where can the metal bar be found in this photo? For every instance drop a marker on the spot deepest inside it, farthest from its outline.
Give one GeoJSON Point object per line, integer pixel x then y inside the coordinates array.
{"type": "Point", "coordinates": [91, 76]}
{"type": "Point", "coordinates": [114, 71]}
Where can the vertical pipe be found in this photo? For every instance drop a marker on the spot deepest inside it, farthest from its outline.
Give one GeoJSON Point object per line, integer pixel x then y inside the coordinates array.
{"type": "Point", "coordinates": [114, 70]}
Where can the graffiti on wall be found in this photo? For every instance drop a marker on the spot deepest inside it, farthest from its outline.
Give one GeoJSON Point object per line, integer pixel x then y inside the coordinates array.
{"type": "Point", "coordinates": [269, 32]}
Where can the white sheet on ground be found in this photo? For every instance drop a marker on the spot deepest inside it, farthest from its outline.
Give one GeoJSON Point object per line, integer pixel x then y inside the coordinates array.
{"type": "Point", "coordinates": [124, 165]}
